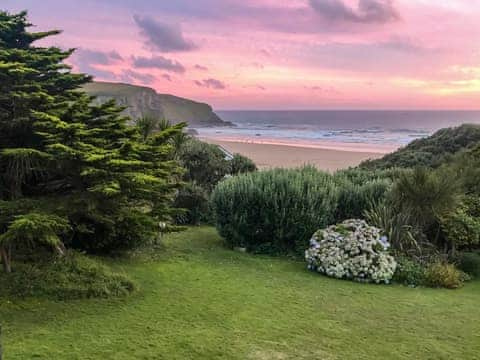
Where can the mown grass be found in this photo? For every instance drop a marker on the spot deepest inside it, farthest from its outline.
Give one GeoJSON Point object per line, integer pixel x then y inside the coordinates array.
{"type": "Point", "coordinates": [197, 300]}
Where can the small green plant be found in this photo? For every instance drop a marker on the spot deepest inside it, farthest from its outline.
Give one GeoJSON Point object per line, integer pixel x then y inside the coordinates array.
{"type": "Point", "coordinates": [469, 262]}
{"type": "Point", "coordinates": [409, 272]}
{"type": "Point", "coordinates": [445, 275]}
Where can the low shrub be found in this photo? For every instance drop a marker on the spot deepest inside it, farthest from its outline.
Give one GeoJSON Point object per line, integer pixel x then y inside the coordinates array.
{"type": "Point", "coordinates": [445, 275]}
{"type": "Point", "coordinates": [194, 200]}
{"type": "Point", "coordinates": [409, 272]}
{"type": "Point", "coordinates": [205, 164]}
{"type": "Point", "coordinates": [274, 211]}
{"type": "Point", "coordinates": [73, 276]}
{"type": "Point", "coordinates": [241, 164]}
{"type": "Point", "coordinates": [351, 250]}
{"type": "Point", "coordinates": [469, 262]}
{"type": "Point", "coordinates": [354, 199]}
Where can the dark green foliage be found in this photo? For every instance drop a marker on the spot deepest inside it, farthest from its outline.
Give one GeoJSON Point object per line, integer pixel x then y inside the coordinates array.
{"type": "Point", "coordinates": [469, 262]}
{"type": "Point", "coordinates": [205, 164]}
{"type": "Point", "coordinates": [444, 275]}
{"type": "Point", "coordinates": [431, 151]}
{"type": "Point", "coordinates": [409, 272]}
{"type": "Point", "coordinates": [241, 164]}
{"type": "Point", "coordinates": [355, 198]}
{"type": "Point", "coordinates": [73, 276]}
{"type": "Point", "coordinates": [396, 225]}
{"type": "Point", "coordinates": [63, 156]}
{"type": "Point", "coordinates": [195, 200]}
{"type": "Point", "coordinates": [274, 211]}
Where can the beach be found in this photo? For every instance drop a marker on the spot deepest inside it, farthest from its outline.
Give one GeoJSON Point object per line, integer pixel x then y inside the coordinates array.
{"type": "Point", "coordinates": [269, 155]}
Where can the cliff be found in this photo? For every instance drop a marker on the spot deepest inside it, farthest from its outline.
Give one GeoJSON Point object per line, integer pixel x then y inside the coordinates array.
{"type": "Point", "coordinates": [141, 100]}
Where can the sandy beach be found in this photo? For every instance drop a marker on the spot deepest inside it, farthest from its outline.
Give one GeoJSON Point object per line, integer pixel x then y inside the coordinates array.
{"type": "Point", "coordinates": [281, 155]}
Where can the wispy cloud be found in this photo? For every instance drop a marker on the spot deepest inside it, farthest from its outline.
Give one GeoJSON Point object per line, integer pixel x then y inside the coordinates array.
{"type": "Point", "coordinates": [158, 62]}
{"type": "Point", "coordinates": [367, 11]}
{"type": "Point", "coordinates": [211, 83]}
{"type": "Point", "coordinates": [161, 36]}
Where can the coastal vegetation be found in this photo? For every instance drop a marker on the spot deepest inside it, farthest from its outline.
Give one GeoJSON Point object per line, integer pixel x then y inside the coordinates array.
{"type": "Point", "coordinates": [94, 204]}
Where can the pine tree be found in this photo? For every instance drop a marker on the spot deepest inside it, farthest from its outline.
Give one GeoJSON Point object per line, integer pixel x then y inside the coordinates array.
{"type": "Point", "coordinates": [66, 163]}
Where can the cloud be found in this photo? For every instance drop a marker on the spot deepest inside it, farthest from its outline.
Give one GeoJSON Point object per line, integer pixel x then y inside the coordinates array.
{"type": "Point", "coordinates": [211, 83]}
{"type": "Point", "coordinates": [97, 57]}
{"type": "Point", "coordinates": [87, 60]}
{"type": "Point", "coordinates": [158, 62]}
{"type": "Point", "coordinates": [162, 36]}
{"type": "Point", "coordinates": [134, 76]}
{"type": "Point", "coordinates": [367, 11]}
{"type": "Point", "coordinates": [200, 67]}
{"type": "Point", "coordinates": [167, 77]}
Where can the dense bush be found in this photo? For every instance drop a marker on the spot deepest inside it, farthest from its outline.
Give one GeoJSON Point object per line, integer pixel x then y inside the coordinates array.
{"type": "Point", "coordinates": [274, 211]}
{"type": "Point", "coordinates": [74, 276]}
{"type": "Point", "coordinates": [351, 250]}
{"type": "Point", "coordinates": [469, 262]}
{"type": "Point", "coordinates": [241, 164]}
{"type": "Point", "coordinates": [195, 201]}
{"type": "Point", "coordinates": [409, 272]}
{"type": "Point", "coordinates": [354, 198]}
{"type": "Point", "coordinates": [442, 274]}
{"type": "Point", "coordinates": [431, 151]}
{"type": "Point", "coordinates": [205, 164]}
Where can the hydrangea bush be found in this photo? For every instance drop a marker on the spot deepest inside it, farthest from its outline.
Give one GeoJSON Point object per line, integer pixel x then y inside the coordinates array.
{"type": "Point", "coordinates": [351, 250]}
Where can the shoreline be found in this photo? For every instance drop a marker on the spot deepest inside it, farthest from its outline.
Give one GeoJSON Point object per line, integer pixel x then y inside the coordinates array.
{"type": "Point", "coordinates": [268, 155]}
{"type": "Point", "coordinates": [381, 149]}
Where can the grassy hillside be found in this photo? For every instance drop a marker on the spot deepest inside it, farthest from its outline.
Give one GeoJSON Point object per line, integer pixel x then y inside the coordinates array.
{"type": "Point", "coordinates": [430, 151]}
{"type": "Point", "coordinates": [198, 300]}
{"type": "Point", "coordinates": [142, 100]}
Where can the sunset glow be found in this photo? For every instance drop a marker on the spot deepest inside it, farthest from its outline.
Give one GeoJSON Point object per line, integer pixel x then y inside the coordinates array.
{"type": "Point", "coordinates": [266, 54]}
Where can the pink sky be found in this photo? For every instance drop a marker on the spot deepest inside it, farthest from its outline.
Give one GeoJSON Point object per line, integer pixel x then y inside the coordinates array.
{"type": "Point", "coordinates": [278, 54]}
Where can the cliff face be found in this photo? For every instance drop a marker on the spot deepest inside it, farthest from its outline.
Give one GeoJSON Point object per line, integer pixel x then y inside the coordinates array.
{"type": "Point", "coordinates": [142, 101]}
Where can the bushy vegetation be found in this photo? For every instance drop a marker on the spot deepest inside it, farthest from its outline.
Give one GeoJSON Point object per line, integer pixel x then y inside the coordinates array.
{"type": "Point", "coordinates": [431, 151]}
{"type": "Point", "coordinates": [73, 174]}
{"type": "Point", "coordinates": [274, 211]}
{"type": "Point", "coordinates": [469, 262]}
{"type": "Point", "coordinates": [351, 250]}
{"type": "Point", "coordinates": [205, 163]}
{"type": "Point", "coordinates": [73, 276]}
{"type": "Point", "coordinates": [241, 164]}
{"type": "Point", "coordinates": [445, 275]}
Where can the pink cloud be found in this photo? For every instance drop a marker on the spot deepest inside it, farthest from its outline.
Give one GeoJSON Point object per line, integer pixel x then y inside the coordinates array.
{"type": "Point", "coordinates": [412, 54]}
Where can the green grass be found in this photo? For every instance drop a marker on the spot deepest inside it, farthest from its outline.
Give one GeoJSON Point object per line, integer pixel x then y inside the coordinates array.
{"type": "Point", "coordinates": [197, 300]}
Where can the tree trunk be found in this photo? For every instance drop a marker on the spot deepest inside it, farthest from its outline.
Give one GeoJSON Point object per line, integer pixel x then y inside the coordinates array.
{"type": "Point", "coordinates": [5, 260]}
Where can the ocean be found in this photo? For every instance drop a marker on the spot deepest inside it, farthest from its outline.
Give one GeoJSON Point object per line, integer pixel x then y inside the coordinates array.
{"type": "Point", "coordinates": [363, 130]}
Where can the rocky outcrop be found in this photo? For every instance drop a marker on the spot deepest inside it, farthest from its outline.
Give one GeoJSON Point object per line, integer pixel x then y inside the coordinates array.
{"type": "Point", "coordinates": [140, 101]}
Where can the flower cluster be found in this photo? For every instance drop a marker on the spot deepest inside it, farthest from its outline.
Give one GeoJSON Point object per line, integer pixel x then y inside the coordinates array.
{"type": "Point", "coordinates": [351, 250]}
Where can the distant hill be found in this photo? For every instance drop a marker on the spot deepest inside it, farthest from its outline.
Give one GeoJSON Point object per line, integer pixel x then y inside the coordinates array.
{"type": "Point", "coordinates": [431, 151]}
{"type": "Point", "coordinates": [142, 100]}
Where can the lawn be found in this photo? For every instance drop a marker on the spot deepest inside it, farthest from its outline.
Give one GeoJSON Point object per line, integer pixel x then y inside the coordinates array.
{"type": "Point", "coordinates": [197, 300]}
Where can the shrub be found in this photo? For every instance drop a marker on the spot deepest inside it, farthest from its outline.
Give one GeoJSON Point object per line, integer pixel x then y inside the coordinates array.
{"type": "Point", "coordinates": [129, 229]}
{"type": "Point", "coordinates": [73, 276]}
{"type": "Point", "coordinates": [461, 229]}
{"type": "Point", "coordinates": [241, 164]}
{"type": "Point", "coordinates": [442, 274]}
{"type": "Point", "coordinates": [205, 164]}
{"type": "Point", "coordinates": [195, 202]}
{"type": "Point", "coordinates": [351, 250]}
{"type": "Point", "coordinates": [409, 272]}
{"type": "Point", "coordinates": [354, 199]}
{"type": "Point", "coordinates": [274, 211]}
{"type": "Point", "coordinates": [396, 225]}
{"type": "Point", "coordinates": [469, 262]}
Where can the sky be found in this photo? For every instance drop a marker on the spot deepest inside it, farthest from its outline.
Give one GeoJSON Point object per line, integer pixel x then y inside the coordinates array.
{"type": "Point", "coordinates": [277, 54]}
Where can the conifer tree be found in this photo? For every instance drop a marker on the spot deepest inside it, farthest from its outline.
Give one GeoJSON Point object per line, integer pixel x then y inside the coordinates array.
{"type": "Point", "coordinates": [68, 164]}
